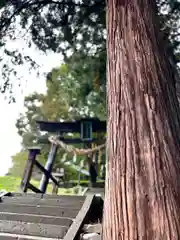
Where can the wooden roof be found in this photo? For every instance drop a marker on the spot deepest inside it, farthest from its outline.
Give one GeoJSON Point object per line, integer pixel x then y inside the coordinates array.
{"type": "Point", "coordinates": [71, 127]}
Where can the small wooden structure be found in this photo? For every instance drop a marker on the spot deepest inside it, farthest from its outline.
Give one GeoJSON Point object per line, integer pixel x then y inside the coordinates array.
{"type": "Point", "coordinates": [85, 128]}
{"type": "Point", "coordinates": [59, 175]}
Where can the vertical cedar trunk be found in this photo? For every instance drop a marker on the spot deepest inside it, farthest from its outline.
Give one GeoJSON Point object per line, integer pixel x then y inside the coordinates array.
{"type": "Point", "coordinates": [142, 198]}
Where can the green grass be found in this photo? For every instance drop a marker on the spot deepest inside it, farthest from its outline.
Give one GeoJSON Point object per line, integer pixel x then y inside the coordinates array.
{"type": "Point", "coordinates": [12, 184]}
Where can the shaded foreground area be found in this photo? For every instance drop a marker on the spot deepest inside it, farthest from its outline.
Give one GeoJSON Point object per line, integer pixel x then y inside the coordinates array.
{"type": "Point", "coordinates": [38, 217]}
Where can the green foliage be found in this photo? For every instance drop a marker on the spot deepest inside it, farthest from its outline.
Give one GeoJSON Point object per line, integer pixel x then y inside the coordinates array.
{"type": "Point", "coordinates": [18, 164]}
{"type": "Point", "coordinates": [52, 22]}
{"type": "Point", "coordinates": [50, 25]}
{"type": "Point", "coordinates": [85, 183]}
{"type": "Point", "coordinates": [65, 99]}
{"type": "Point", "coordinates": [12, 184]}
{"type": "Point", "coordinates": [80, 25]}
{"type": "Point", "coordinates": [73, 91]}
{"type": "Point", "coordinates": [88, 74]}
{"type": "Point", "coordinates": [2, 3]}
{"type": "Point", "coordinates": [169, 12]}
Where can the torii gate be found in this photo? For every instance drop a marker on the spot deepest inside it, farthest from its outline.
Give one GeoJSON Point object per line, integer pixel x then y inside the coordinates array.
{"type": "Point", "coordinates": [85, 127]}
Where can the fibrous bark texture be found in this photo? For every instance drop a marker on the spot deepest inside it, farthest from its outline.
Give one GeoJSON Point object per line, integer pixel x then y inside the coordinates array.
{"type": "Point", "coordinates": [142, 199]}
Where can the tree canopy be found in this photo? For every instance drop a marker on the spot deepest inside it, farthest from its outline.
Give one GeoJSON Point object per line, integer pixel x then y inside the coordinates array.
{"type": "Point", "coordinates": [66, 99]}
{"type": "Point", "coordinates": [68, 27]}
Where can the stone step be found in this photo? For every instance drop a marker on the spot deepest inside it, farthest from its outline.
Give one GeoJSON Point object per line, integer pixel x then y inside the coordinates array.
{"type": "Point", "coordinates": [8, 236]}
{"type": "Point", "coordinates": [61, 202]}
{"type": "Point", "coordinates": [36, 219]}
{"type": "Point", "coordinates": [96, 190]}
{"type": "Point", "coordinates": [48, 196]}
{"type": "Point", "coordinates": [33, 229]}
{"type": "Point", "coordinates": [31, 217]}
{"type": "Point", "coordinates": [39, 210]}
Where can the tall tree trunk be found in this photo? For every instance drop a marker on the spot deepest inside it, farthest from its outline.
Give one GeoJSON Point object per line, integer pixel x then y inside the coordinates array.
{"type": "Point", "coordinates": [142, 199]}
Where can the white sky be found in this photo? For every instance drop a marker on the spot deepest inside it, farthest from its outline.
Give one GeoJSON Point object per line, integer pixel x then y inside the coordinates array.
{"type": "Point", "coordinates": [9, 139]}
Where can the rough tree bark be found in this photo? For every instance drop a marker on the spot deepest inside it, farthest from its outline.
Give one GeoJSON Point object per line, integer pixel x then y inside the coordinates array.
{"type": "Point", "coordinates": [142, 198]}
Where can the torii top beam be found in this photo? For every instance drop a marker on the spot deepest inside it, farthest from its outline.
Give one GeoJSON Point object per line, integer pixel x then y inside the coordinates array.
{"type": "Point", "coordinates": [72, 127]}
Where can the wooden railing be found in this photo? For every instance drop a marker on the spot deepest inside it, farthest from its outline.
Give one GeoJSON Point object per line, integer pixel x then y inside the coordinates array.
{"type": "Point", "coordinates": [46, 171]}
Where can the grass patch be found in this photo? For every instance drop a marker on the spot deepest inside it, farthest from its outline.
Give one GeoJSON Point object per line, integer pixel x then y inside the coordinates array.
{"type": "Point", "coordinates": [12, 184]}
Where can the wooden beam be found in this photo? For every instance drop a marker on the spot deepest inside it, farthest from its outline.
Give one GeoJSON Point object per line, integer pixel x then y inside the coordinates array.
{"type": "Point", "coordinates": [49, 166]}
{"type": "Point", "coordinates": [66, 202]}
{"type": "Point", "coordinates": [71, 127]}
{"type": "Point", "coordinates": [29, 168]}
{"type": "Point", "coordinates": [79, 220]}
{"type": "Point", "coordinates": [6, 216]}
{"type": "Point", "coordinates": [33, 229]}
{"type": "Point", "coordinates": [33, 188]}
{"type": "Point", "coordinates": [69, 212]}
{"type": "Point", "coordinates": [48, 175]}
{"type": "Point", "coordinates": [63, 127]}
{"type": "Point", "coordinates": [44, 140]}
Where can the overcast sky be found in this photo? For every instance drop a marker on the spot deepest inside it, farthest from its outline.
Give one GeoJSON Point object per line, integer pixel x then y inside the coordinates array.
{"type": "Point", "coordinates": [9, 139]}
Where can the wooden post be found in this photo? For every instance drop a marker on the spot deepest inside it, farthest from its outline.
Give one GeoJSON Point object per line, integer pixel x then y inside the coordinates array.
{"type": "Point", "coordinates": [33, 152]}
{"type": "Point", "coordinates": [91, 166]}
{"type": "Point", "coordinates": [55, 188]}
{"type": "Point", "coordinates": [59, 175]}
{"type": "Point", "coordinates": [79, 177]}
{"type": "Point", "coordinates": [49, 165]}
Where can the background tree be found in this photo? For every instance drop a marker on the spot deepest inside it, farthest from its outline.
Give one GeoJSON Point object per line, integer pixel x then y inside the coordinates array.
{"type": "Point", "coordinates": [142, 199]}
{"type": "Point", "coordinates": [61, 102]}
{"type": "Point", "coordinates": [18, 164]}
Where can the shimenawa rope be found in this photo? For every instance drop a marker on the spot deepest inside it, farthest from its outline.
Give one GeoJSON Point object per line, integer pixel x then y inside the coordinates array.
{"type": "Point", "coordinates": [71, 149]}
